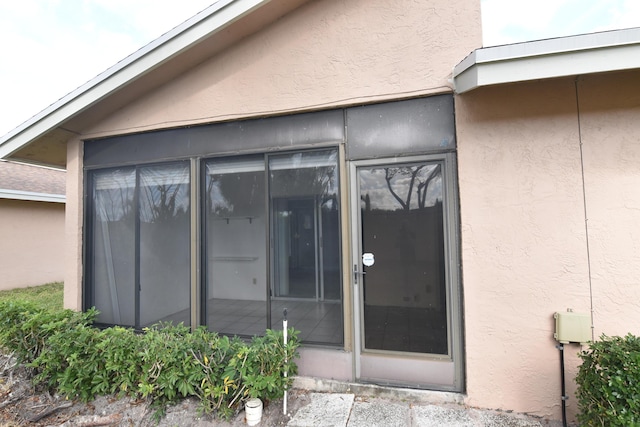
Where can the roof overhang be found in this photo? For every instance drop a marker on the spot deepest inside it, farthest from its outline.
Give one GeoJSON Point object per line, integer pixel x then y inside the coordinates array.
{"type": "Point", "coordinates": [42, 139]}
{"type": "Point", "coordinates": [32, 197]}
{"type": "Point", "coordinates": [546, 59]}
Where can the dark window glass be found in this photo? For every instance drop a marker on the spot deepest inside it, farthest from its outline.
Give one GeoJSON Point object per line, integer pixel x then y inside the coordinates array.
{"type": "Point", "coordinates": [140, 245]}
{"type": "Point", "coordinates": [399, 128]}
{"type": "Point", "coordinates": [405, 306]}
{"type": "Point", "coordinates": [164, 232]}
{"type": "Point", "coordinates": [236, 260]}
{"type": "Point", "coordinates": [113, 251]}
{"type": "Point", "coordinates": [306, 250]}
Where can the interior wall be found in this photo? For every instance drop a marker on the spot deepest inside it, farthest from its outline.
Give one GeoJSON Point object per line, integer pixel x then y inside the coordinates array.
{"type": "Point", "coordinates": [525, 252]}
{"type": "Point", "coordinates": [31, 247]}
{"type": "Point", "coordinates": [237, 259]}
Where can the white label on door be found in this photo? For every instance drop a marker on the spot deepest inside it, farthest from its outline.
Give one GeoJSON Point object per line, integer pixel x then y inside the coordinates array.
{"type": "Point", "coordinates": [368, 259]}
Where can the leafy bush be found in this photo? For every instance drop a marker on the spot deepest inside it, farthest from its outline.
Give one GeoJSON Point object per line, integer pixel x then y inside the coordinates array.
{"type": "Point", "coordinates": [169, 370]}
{"type": "Point", "coordinates": [71, 363]}
{"type": "Point", "coordinates": [609, 382]}
{"type": "Point", "coordinates": [246, 370]}
{"type": "Point", "coordinates": [26, 327]}
{"type": "Point", "coordinates": [163, 364]}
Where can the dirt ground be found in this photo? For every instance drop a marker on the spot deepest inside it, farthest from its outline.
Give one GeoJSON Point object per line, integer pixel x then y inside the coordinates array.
{"type": "Point", "coordinates": [22, 405]}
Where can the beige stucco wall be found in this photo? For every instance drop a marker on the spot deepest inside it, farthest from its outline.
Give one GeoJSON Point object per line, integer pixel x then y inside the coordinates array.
{"type": "Point", "coordinates": [524, 240]}
{"type": "Point", "coordinates": [326, 53]}
{"type": "Point", "coordinates": [73, 266]}
{"type": "Point", "coordinates": [523, 235]}
{"type": "Point", "coordinates": [32, 243]}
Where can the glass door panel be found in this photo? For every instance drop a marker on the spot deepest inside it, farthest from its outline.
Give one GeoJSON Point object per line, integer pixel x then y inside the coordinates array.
{"type": "Point", "coordinates": [305, 244]}
{"type": "Point", "coordinates": [296, 244]}
{"type": "Point", "coordinates": [404, 293]}
{"type": "Point", "coordinates": [164, 236]}
{"type": "Point", "coordinates": [113, 256]}
{"type": "Point", "coordinates": [235, 295]}
{"type": "Point", "coordinates": [406, 306]}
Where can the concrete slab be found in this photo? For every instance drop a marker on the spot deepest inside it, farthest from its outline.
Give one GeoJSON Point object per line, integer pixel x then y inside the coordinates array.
{"type": "Point", "coordinates": [489, 419]}
{"type": "Point", "coordinates": [437, 416]}
{"type": "Point", "coordinates": [367, 412]}
{"type": "Point", "coordinates": [324, 410]}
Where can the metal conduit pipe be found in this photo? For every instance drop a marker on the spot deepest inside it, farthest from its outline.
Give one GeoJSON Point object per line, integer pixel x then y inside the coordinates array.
{"type": "Point", "coordinates": [563, 396]}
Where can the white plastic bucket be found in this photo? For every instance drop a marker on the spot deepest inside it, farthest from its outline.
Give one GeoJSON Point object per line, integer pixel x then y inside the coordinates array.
{"type": "Point", "coordinates": [253, 411]}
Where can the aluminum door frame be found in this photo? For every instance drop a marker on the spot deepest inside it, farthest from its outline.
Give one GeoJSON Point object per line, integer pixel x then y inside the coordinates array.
{"type": "Point", "coordinates": [448, 370]}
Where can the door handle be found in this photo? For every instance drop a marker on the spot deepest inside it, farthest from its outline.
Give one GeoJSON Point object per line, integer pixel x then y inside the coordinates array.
{"type": "Point", "coordinates": [357, 273]}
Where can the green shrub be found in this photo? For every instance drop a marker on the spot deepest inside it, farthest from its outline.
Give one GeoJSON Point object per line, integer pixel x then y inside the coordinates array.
{"type": "Point", "coordinates": [168, 369]}
{"type": "Point", "coordinates": [26, 327]}
{"type": "Point", "coordinates": [235, 370]}
{"type": "Point", "coordinates": [71, 363]}
{"type": "Point", "coordinates": [609, 382]}
{"type": "Point", "coordinates": [163, 364]}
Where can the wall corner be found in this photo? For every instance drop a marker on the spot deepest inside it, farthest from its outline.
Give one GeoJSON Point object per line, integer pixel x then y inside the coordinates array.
{"type": "Point", "coordinates": [73, 226]}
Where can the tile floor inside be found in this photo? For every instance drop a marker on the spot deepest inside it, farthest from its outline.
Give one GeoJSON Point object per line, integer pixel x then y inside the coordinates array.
{"type": "Point", "coordinates": [318, 321]}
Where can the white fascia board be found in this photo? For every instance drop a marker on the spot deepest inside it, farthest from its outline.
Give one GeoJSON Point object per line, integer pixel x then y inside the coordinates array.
{"type": "Point", "coordinates": [32, 197]}
{"type": "Point", "coordinates": [211, 20]}
{"type": "Point", "coordinates": [568, 56]}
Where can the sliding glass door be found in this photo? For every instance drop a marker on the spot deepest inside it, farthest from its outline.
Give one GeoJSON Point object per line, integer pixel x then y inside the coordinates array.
{"type": "Point", "coordinates": [140, 259]}
{"type": "Point", "coordinates": [305, 248]}
{"type": "Point", "coordinates": [235, 250]}
{"type": "Point", "coordinates": [269, 234]}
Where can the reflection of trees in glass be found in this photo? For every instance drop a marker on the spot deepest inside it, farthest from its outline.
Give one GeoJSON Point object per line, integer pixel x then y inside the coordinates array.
{"type": "Point", "coordinates": [235, 194]}
{"type": "Point", "coordinates": [304, 174]}
{"type": "Point", "coordinates": [113, 195]}
{"type": "Point", "coordinates": [418, 176]}
{"type": "Point", "coordinates": [163, 202]}
{"type": "Point", "coordinates": [318, 181]}
{"type": "Point", "coordinates": [165, 193]}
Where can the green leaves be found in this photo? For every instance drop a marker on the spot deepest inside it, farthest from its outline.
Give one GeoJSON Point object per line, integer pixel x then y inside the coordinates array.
{"type": "Point", "coordinates": [609, 382]}
{"type": "Point", "coordinates": [236, 370]}
{"type": "Point", "coordinates": [164, 364]}
{"type": "Point", "coordinates": [25, 327]}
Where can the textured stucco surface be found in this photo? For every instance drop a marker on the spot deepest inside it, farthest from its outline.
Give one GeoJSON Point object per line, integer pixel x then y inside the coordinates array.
{"type": "Point", "coordinates": [32, 243]}
{"type": "Point", "coordinates": [73, 227]}
{"type": "Point", "coordinates": [330, 52]}
{"type": "Point", "coordinates": [326, 53]}
{"type": "Point", "coordinates": [610, 111]}
{"type": "Point", "coordinates": [521, 175]}
{"type": "Point", "coordinates": [524, 240]}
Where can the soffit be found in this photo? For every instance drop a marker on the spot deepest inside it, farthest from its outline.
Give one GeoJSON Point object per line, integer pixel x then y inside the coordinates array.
{"type": "Point", "coordinates": [552, 58]}
{"type": "Point", "coordinates": [42, 139]}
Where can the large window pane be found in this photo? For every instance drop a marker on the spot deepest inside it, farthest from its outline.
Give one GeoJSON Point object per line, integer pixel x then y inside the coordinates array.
{"type": "Point", "coordinates": [405, 307]}
{"type": "Point", "coordinates": [164, 244]}
{"type": "Point", "coordinates": [113, 251]}
{"type": "Point", "coordinates": [306, 252]}
{"type": "Point", "coordinates": [236, 260]}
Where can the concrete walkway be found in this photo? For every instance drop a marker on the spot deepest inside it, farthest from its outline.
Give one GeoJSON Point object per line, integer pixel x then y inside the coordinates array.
{"type": "Point", "coordinates": [368, 406]}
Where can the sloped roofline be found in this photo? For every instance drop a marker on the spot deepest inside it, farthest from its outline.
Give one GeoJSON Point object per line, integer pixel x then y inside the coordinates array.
{"type": "Point", "coordinates": [551, 58]}
{"type": "Point", "coordinates": [211, 20]}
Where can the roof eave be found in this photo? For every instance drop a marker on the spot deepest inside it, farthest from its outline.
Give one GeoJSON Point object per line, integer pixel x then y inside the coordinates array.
{"type": "Point", "coordinates": [32, 196]}
{"type": "Point", "coordinates": [210, 21]}
{"type": "Point", "coordinates": [545, 59]}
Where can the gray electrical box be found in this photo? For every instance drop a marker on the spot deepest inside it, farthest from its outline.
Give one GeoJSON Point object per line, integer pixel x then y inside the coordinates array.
{"type": "Point", "coordinates": [572, 327]}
